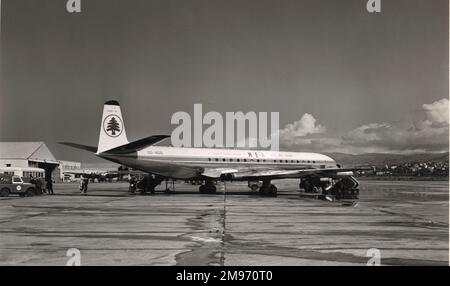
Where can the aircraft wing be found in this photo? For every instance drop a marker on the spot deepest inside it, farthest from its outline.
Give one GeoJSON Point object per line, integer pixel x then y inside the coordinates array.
{"type": "Point", "coordinates": [259, 174]}
{"type": "Point", "coordinates": [217, 172]}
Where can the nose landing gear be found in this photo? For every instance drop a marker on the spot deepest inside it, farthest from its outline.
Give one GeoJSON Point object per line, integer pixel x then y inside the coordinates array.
{"type": "Point", "coordinates": [148, 184]}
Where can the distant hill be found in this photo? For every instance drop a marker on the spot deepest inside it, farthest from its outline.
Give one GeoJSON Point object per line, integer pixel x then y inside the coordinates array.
{"type": "Point", "coordinates": [381, 159]}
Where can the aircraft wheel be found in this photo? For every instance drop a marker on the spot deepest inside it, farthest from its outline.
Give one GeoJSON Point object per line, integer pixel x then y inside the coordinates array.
{"type": "Point", "coordinates": [208, 188]}
{"type": "Point", "coordinates": [262, 190]}
{"type": "Point", "coordinates": [211, 189]}
{"type": "Point", "coordinates": [272, 190]}
{"type": "Point", "coordinates": [268, 190]}
{"type": "Point", "coordinates": [254, 187]}
{"type": "Point", "coordinates": [301, 184]}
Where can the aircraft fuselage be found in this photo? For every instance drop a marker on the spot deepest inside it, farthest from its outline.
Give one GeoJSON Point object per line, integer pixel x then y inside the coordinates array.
{"type": "Point", "coordinates": [160, 160]}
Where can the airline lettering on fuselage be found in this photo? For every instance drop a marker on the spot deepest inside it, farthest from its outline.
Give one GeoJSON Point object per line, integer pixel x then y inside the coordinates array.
{"type": "Point", "coordinates": [255, 154]}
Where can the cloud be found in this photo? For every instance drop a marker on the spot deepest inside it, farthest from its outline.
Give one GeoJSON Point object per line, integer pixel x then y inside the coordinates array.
{"type": "Point", "coordinates": [367, 133]}
{"type": "Point", "coordinates": [437, 112]}
{"type": "Point", "coordinates": [300, 128]}
{"type": "Point", "coordinates": [428, 135]}
{"type": "Point", "coordinates": [424, 136]}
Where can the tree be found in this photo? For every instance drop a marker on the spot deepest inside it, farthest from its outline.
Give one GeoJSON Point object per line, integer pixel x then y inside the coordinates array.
{"type": "Point", "coordinates": [113, 126]}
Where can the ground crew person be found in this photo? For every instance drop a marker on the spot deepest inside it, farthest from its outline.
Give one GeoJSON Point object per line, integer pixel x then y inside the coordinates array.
{"type": "Point", "coordinates": [38, 185]}
{"type": "Point", "coordinates": [81, 184]}
{"type": "Point", "coordinates": [32, 180]}
{"type": "Point", "coordinates": [84, 185]}
{"type": "Point", "coordinates": [50, 186]}
{"type": "Point", "coordinates": [133, 183]}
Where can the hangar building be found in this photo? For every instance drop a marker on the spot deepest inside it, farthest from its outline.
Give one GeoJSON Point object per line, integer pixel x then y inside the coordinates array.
{"type": "Point", "coordinates": [29, 154]}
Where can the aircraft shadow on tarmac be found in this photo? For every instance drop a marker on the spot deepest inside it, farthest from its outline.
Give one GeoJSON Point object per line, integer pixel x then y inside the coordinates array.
{"type": "Point", "coordinates": [160, 193]}
{"type": "Point", "coordinates": [98, 193]}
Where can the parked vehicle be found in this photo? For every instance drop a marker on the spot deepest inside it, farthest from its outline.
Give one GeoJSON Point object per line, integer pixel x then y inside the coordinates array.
{"type": "Point", "coordinates": [13, 184]}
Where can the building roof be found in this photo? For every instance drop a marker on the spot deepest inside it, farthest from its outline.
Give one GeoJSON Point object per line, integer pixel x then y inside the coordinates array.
{"type": "Point", "coordinates": [32, 151]}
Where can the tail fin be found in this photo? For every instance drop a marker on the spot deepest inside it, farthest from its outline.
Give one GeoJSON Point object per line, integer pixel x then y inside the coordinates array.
{"type": "Point", "coordinates": [112, 129]}
{"type": "Point", "coordinates": [113, 138]}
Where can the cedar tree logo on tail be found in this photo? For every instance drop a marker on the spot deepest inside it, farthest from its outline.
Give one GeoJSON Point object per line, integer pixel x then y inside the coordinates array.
{"type": "Point", "coordinates": [112, 125]}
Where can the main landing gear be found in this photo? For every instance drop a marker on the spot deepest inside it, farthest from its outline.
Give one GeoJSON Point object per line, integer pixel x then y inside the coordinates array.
{"type": "Point", "coordinates": [208, 188]}
{"type": "Point", "coordinates": [268, 189]}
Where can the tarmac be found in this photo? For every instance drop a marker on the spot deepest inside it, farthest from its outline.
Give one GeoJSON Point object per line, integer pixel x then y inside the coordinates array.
{"type": "Point", "coordinates": [405, 222]}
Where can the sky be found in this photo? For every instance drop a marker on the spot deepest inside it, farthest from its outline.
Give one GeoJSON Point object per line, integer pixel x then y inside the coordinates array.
{"type": "Point", "coordinates": [342, 79]}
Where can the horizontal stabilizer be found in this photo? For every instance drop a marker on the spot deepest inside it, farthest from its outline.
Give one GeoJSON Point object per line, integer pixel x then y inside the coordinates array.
{"type": "Point", "coordinates": [137, 145]}
{"type": "Point", "coordinates": [80, 146]}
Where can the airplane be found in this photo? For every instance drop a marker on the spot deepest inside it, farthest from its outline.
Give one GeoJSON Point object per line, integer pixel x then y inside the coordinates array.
{"type": "Point", "coordinates": [318, 173]}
